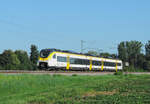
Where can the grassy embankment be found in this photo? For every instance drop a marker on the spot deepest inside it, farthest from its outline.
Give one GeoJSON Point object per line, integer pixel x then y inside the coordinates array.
{"type": "Point", "coordinates": [57, 89]}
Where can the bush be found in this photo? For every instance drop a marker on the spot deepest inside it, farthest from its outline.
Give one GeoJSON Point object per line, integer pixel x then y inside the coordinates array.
{"type": "Point", "coordinates": [74, 75]}
{"type": "Point", "coordinates": [118, 73]}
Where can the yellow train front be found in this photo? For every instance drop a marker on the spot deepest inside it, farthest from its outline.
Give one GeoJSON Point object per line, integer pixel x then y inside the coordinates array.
{"type": "Point", "coordinates": [57, 59]}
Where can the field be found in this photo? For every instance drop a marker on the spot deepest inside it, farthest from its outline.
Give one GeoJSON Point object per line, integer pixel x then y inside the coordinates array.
{"type": "Point", "coordinates": [58, 89]}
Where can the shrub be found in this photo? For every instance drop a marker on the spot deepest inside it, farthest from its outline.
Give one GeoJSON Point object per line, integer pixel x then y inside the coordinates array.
{"type": "Point", "coordinates": [118, 73]}
{"type": "Point", "coordinates": [74, 75]}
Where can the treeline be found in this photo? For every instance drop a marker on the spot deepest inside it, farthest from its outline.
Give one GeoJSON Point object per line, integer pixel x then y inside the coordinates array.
{"type": "Point", "coordinates": [133, 53]}
{"type": "Point", "coordinates": [19, 59]}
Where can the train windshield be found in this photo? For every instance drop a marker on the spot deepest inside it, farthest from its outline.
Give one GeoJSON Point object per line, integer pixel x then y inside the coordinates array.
{"type": "Point", "coordinates": [45, 53]}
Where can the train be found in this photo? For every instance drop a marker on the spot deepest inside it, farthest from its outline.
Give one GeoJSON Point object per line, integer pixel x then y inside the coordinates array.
{"type": "Point", "coordinates": [55, 59]}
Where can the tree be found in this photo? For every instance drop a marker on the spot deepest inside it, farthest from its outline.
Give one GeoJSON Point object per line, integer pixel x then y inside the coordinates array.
{"type": "Point", "coordinates": [25, 63]}
{"type": "Point", "coordinates": [34, 54]}
{"type": "Point", "coordinates": [93, 53]}
{"type": "Point", "coordinates": [122, 51]}
{"type": "Point", "coordinates": [9, 60]}
{"type": "Point", "coordinates": [141, 60]}
{"type": "Point", "coordinates": [129, 51]}
{"type": "Point", "coordinates": [147, 49]}
{"type": "Point", "coordinates": [147, 65]}
{"type": "Point", "coordinates": [134, 50]}
{"type": "Point", "coordinates": [105, 55]}
{"type": "Point", "coordinates": [2, 62]}
{"type": "Point", "coordinates": [113, 56]}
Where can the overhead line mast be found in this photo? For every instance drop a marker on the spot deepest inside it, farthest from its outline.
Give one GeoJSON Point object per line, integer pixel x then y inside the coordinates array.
{"type": "Point", "coordinates": [82, 42]}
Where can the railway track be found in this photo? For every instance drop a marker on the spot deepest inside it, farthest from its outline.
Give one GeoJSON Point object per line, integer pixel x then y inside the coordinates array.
{"type": "Point", "coordinates": [69, 73]}
{"type": "Point", "coordinates": [55, 72]}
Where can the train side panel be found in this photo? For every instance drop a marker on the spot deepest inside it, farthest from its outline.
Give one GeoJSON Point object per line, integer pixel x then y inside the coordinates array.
{"type": "Point", "coordinates": [63, 60]}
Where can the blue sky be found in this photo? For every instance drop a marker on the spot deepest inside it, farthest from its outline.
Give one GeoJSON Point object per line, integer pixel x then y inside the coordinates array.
{"type": "Point", "coordinates": [63, 24]}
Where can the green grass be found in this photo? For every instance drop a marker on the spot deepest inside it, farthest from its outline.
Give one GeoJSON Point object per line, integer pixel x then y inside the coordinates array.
{"type": "Point", "coordinates": [58, 89]}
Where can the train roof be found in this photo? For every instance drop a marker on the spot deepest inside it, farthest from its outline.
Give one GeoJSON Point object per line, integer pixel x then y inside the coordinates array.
{"type": "Point", "coordinates": [67, 51]}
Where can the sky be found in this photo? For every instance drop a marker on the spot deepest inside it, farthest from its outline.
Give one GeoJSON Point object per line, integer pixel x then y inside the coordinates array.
{"type": "Point", "coordinates": [62, 24]}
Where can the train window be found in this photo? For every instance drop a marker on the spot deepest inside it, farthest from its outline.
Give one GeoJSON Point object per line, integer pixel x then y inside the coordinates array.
{"type": "Point", "coordinates": [61, 59]}
{"type": "Point", "coordinates": [109, 64]}
{"type": "Point", "coordinates": [93, 62]}
{"type": "Point", "coordinates": [72, 61]}
{"type": "Point", "coordinates": [119, 64]}
{"type": "Point", "coordinates": [44, 53]}
{"type": "Point", "coordinates": [85, 62]}
{"type": "Point", "coordinates": [54, 56]}
{"type": "Point", "coordinates": [82, 62]}
{"type": "Point", "coordinates": [96, 63]}
{"type": "Point", "coordinates": [79, 61]}
{"type": "Point", "coordinates": [105, 63]}
{"type": "Point", "coordinates": [100, 63]}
